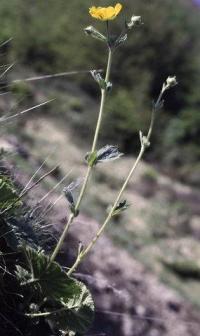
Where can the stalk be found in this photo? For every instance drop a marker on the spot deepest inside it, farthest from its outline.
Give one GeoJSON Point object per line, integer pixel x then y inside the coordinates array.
{"type": "Point", "coordinates": [89, 169]}
{"type": "Point", "coordinates": [144, 145]}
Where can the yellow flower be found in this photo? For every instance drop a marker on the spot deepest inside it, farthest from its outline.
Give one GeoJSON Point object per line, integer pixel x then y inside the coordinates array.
{"type": "Point", "coordinates": [105, 13]}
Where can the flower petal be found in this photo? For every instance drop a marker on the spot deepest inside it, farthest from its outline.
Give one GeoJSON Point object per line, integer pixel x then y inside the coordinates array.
{"type": "Point", "coordinates": [105, 13]}
{"type": "Point", "coordinates": [118, 8]}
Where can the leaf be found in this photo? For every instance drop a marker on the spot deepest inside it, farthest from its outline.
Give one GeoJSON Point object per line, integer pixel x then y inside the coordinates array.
{"type": "Point", "coordinates": [8, 194]}
{"type": "Point", "coordinates": [122, 206]}
{"type": "Point", "coordinates": [104, 85]}
{"type": "Point", "coordinates": [105, 154]}
{"type": "Point", "coordinates": [91, 158]}
{"type": "Point", "coordinates": [108, 153]}
{"type": "Point", "coordinates": [77, 314]}
{"type": "Point", "coordinates": [22, 274]}
{"type": "Point", "coordinates": [45, 277]}
{"type": "Point", "coordinates": [68, 303]}
{"type": "Point", "coordinates": [122, 39]}
{"type": "Point", "coordinates": [69, 195]}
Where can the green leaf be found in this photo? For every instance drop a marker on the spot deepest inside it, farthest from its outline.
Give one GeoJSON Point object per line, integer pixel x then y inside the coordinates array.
{"type": "Point", "coordinates": [104, 154]}
{"type": "Point", "coordinates": [8, 194]}
{"type": "Point", "coordinates": [103, 84]}
{"type": "Point", "coordinates": [68, 304]}
{"type": "Point", "coordinates": [76, 314]}
{"type": "Point", "coordinates": [122, 206]}
{"type": "Point", "coordinates": [46, 277]}
{"type": "Point", "coordinates": [22, 274]}
{"type": "Point", "coordinates": [91, 158]}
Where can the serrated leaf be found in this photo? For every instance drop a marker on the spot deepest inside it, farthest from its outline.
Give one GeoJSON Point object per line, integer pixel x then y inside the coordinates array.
{"type": "Point", "coordinates": [67, 302]}
{"type": "Point", "coordinates": [8, 194]}
{"type": "Point", "coordinates": [105, 154]}
{"type": "Point", "coordinates": [22, 274]}
{"type": "Point", "coordinates": [45, 277]}
{"type": "Point", "coordinates": [108, 153]}
{"type": "Point", "coordinates": [79, 313]}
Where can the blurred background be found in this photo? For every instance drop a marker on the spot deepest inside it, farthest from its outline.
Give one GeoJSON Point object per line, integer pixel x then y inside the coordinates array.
{"type": "Point", "coordinates": [162, 227]}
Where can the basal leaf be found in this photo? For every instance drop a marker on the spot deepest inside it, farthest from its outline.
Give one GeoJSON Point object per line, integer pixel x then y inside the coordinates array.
{"type": "Point", "coordinates": [76, 314]}
{"type": "Point", "coordinates": [67, 303]}
{"type": "Point", "coordinates": [8, 194]}
{"type": "Point", "coordinates": [47, 278]}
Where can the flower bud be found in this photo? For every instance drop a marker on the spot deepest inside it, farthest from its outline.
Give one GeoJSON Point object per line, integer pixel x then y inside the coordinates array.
{"type": "Point", "coordinates": [171, 81]}
{"type": "Point", "coordinates": [91, 31]}
{"type": "Point", "coordinates": [135, 20]}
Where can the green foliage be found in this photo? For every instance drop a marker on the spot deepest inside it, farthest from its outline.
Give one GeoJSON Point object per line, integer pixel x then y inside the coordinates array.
{"type": "Point", "coordinates": [105, 154]}
{"type": "Point", "coordinates": [46, 297]}
{"type": "Point", "coordinates": [8, 194]}
{"type": "Point", "coordinates": [65, 301]}
{"type": "Point", "coordinates": [122, 206]}
{"type": "Point", "coordinates": [167, 44]}
{"type": "Point", "coordinates": [75, 314]}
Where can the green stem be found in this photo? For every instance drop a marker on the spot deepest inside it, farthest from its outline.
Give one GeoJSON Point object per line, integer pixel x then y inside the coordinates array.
{"type": "Point", "coordinates": [92, 243]}
{"type": "Point", "coordinates": [89, 169]}
{"type": "Point", "coordinates": [103, 97]}
{"type": "Point", "coordinates": [83, 253]}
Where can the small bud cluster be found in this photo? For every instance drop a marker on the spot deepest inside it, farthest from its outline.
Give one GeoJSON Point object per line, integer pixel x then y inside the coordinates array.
{"type": "Point", "coordinates": [135, 21]}
{"type": "Point", "coordinates": [114, 42]}
{"type": "Point", "coordinates": [101, 81]}
{"type": "Point", "coordinates": [144, 140]}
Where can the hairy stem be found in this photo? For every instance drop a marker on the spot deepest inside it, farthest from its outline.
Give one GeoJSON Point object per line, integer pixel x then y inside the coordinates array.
{"type": "Point", "coordinates": [83, 253]}
{"type": "Point", "coordinates": [89, 169]}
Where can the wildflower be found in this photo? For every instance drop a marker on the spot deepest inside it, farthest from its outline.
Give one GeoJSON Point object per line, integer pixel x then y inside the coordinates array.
{"type": "Point", "coordinates": [105, 13]}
